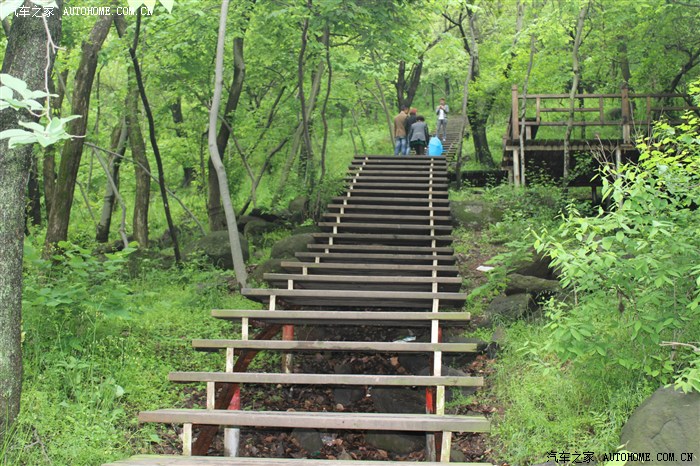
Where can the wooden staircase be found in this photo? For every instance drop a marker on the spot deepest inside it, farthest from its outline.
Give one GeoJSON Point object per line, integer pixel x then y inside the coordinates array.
{"type": "Point", "coordinates": [383, 259]}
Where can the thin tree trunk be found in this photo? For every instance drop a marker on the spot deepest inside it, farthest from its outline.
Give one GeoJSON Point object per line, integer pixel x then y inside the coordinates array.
{"type": "Point", "coordinates": [178, 120]}
{"type": "Point", "coordinates": [34, 194]}
{"type": "Point", "coordinates": [59, 217]}
{"type": "Point", "coordinates": [121, 26]}
{"type": "Point", "coordinates": [142, 195]}
{"type": "Point", "coordinates": [26, 58]}
{"type": "Point", "coordinates": [49, 170]}
{"type": "Point", "coordinates": [115, 190]}
{"type": "Point", "coordinates": [464, 121]}
{"type": "Point", "coordinates": [533, 50]}
{"type": "Point", "coordinates": [118, 145]}
{"type": "Point", "coordinates": [260, 175]}
{"type": "Point", "coordinates": [574, 85]}
{"type": "Point", "coordinates": [217, 217]}
{"type": "Point", "coordinates": [382, 101]}
{"type": "Point", "coordinates": [234, 240]}
{"type": "Point", "coordinates": [324, 145]}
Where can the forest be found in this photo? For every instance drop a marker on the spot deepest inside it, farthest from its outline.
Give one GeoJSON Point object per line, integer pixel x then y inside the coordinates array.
{"type": "Point", "coordinates": [153, 155]}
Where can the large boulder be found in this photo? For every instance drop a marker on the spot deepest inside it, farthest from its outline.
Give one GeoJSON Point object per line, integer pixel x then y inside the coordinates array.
{"type": "Point", "coordinates": [509, 308]}
{"type": "Point", "coordinates": [298, 209]}
{"type": "Point", "coordinates": [217, 248]}
{"type": "Point", "coordinates": [537, 266]}
{"type": "Point", "coordinates": [269, 266]}
{"type": "Point", "coordinates": [255, 229]}
{"type": "Point", "coordinates": [398, 400]}
{"type": "Point", "coordinates": [667, 422]}
{"type": "Point", "coordinates": [286, 247]}
{"type": "Point", "coordinates": [474, 213]}
{"type": "Point", "coordinates": [517, 283]}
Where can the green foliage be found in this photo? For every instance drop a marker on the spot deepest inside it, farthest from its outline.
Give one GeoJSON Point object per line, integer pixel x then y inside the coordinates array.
{"type": "Point", "coordinates": [633, 271]}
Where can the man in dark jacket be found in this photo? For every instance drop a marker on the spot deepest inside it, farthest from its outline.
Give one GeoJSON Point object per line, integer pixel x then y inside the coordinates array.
{"type": "Point", "coordinates": [409, 122]}
{"type": "Point", "coordinates": [419, 135]}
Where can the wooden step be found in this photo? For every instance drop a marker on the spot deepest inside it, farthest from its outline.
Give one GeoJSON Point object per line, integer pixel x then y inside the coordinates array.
{"type": "Point", "coordinates": [319, 420]}
{"type": "Point", "coordinates": [326, 379]}
{"type": "Point", "coordinates": [353, 198]}
{"type": "Point", "coordinates": [366, 177]}
{"type": "Point", "coordinates": [384, 218]}
{"type": "Point", "coordinates": [364, 282]}
{"type": "Point", "coordinates": [419, 193]}
{"type": "Point", "coordinates": [380, 185]}
{"type": "Point", "coordinates": [392, 158]}
{"type": "Point", "coordinates": [382, 239]}
{"type": "Point", "coordinates": [354, 298]}
{"type": "Point", "coordinates": [403, 270]}
{"type": "Point", "coordinates": [342, 227]}
{"type": "Point", "coordinates": [353, 257]}
{"type": "Point", "coordinates": [394, 174]}
{"type": "Point", "coordinates": [383, 249]}
{"type": "Point", "coordinates": [171, 460]}
{"type": "Point", "coordinates": [439, 210]}
{"type": "Point", "coordinates": [407, 319]}
{"type": "Point", "coordinates": [316, 345]}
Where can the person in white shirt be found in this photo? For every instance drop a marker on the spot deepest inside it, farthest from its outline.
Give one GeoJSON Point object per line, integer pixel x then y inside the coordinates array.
{"type": "Point", "coordinates": [441, 111]}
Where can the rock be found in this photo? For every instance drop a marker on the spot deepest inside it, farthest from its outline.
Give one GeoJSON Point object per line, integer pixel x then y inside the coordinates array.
{"type": "Point", "coordinates": [306, 229]}
{"type": "Point", "coordinates": [496, 343]}
{"type": "Point", "coordinates": [457, 456]}
{"type": "Point", "coordinates": [298, 209]}
{"type": "Point", "coordinates": [509, 308]}
{"type": "Point", "coordinates": [517, 283]}
{"type": "Point", "coordinates": [400, 444]}
{"type": "Point", "coordinates": [539, 266]}
{"type": "Point", "coordinates": [216, 247]}
{"type": "Point", "coordinates": [286, 247]}
{"type": "Point", "coordinates": [255, 229]}
{"type": "Point", "coordinates": [475, 214]}
{"type": "Point", "coordinates": [309, 439]}
{"type": "Point", "coordinates": [267, 216]}
{"type": "Point", "coordinates": [398, 400]}
{"type": "Point", "coordinates": [269, 266]}
{"type": "Point", "coordinates": [667, 422]}
{"type": "Point", "coordinates": [243, 220]}
{"type": "Point", "coordinates": [347, 395]}
{"type": "Point", "coordinates": [462, 359]}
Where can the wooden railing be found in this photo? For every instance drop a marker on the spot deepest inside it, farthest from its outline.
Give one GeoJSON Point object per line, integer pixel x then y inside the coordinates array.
{"type": "Point", "coordinates": [634, 115]}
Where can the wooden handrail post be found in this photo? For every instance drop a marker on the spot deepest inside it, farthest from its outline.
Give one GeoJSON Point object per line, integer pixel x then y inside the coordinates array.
{"type": "Point", "coordinates": [515, 133]}
{"type": "Point", "coordinates": [626, 129]}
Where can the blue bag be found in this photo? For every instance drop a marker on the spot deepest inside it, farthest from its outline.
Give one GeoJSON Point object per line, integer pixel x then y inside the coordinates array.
{"type": "Point", "coordinates": [435, 147]}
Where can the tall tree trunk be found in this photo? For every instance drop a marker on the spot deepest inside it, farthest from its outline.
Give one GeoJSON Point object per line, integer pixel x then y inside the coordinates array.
{"type": "Point", "coordinates": [59, 217]}
{"type": "Point", "coordinates": [121, 27]}
{"type": "Point", "coordinates": [33, 215]}
{"type": "Point", "coordinates": [49, 170]}
{"type": "Point", "coordinates": [307, 152]}
{"type": "Point", "coordinates": [217, 217]}
{"type": "Point", "coordinates": [406, 88]}
{"type": "Point", "coordinates": [178, 119]}
{"type": "Point", "coordinates": [142, 196]}
{"type": "Point", "coordinates": [117, 145]}
{"type": "Point", "coordinates": [576, 70]}
{"type": "Point", "coordinates": [26, 59]}
{"type": "Point", "coordinates": [234, 240]}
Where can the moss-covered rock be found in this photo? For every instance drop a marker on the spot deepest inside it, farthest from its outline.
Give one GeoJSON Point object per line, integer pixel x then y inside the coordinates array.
{"type": "Point", "coordinates": [216, 247]}
{"type": "Point", "coordinates": [475, 214]}
{"type": "Point", "coordinates": [286, 247]}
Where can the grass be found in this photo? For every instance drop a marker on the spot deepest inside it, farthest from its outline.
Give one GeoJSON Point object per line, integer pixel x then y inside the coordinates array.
{"type": "Point", "coordinates": [87, 374]}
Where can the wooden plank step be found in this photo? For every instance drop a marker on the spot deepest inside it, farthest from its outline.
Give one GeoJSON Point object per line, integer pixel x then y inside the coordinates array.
{"type": "Point", "coordinates": [319, 420]}
{"type": "Point", "coordinates": [355, 317]}
{"type": "Point", "coordinates": [383, 239]}
{"type": "Point", "coordinates": [384, 227]}
{"type": "Point", "coordinates": [354, 198]}
{"type": "Point", "coordinates": [353, 257]}
{"type": "Point", "coordinates": [357, 298]}
{"type": "Point", "coordinates": [357, 207]}
{"type": "Point", "coordinates": [367, 177]}
{"type": "Point", "coordinates": [383, 185]}
{"type": "Point", "coordinates": [404, 270]}
{"type": "Point", "coordinates": [440, 164]}
{"type": "Point", "coordinates": [170, 460]}
{"type": "Point", "coordinates": [326, 379]}
{"type": "Point", "coordinates": [383, 249]}
{"type": "Point", "coordinates": [374, 171]}
{"type": "Point", "coordinates": [380, 157]}
{"type": "Point", "coordinates": [316, 345]}
{"type": "Point", "coordinates": [420, 193]}
{"type": "Point", "coordinates": [364, 282]}
{"type": "Point", "coordinates": [390, 217]}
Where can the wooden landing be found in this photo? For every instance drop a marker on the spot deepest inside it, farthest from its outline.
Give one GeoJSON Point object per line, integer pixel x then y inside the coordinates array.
{"type": "Point", "coordinates": [162, 460]}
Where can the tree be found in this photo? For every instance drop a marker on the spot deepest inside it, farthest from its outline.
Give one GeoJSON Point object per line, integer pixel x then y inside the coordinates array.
{"type": "Point", "coordinates": [27, 58]}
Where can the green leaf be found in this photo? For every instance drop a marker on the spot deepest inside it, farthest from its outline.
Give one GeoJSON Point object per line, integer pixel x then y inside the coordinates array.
{"type": "Point", "coordinates": [168, 4]}
{"type": "Point", "coordinates": [8, 7]}
{"type": "Point", "coordinates": [12, 82]}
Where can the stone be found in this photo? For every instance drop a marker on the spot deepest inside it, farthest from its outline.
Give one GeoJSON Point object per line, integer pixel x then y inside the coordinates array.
{"type": "Point", "coordinates": [509, 308]}
{"type": "Point", "coordinates": [398, 400]}
{"type": "Point", "coordinates": [347, 395]}
{"type": "Point", "coordinates": [243, 220]}
{"type": "Point", "coordinates": [517, 283]}
{"type": "Point", "coordinates": [475, 214]}
{"type": "Point", "coordinates": [306, 229]}
{"type": "Point", "coordinates": [217, 248]}
{"type": "Point", "coordinates": [463, 359]}
{"type": "Point", "coordinates": [457, 456]}
{"type": "Point", "coordinates": [255, 229]}
{"type": "Point", "coordinates": [269, 266]}
{"type": "Point", "coordinates": [538, 266]}
{"type": "Point", "coordinates": [399, 444]}
{"type": "Point", "coordinates": [496, 342]}
{"type": "Point", "coordinates": [309, 439]}
{"type": "Point", "coordinates": [666, 422]}
{"type": "Point", "coordinates": [298, 209]}
{"type": "Point", "coordinates": [286, 247]}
